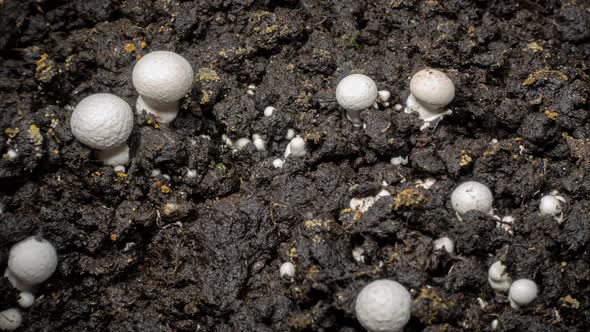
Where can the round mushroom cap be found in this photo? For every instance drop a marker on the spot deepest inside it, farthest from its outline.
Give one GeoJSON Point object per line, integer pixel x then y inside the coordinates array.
{"type": "Point", "coordinates": [32, 261]}
{"type": "Point", "coordinates": [383, 305]}
{"type": "Point", "coordinates": [356, 92]}
{"type": "Point", "coordinates": [472, 195]}
{"type": "Point", "coordinates": [102, 121]}
{"type": "Point", "coordinates": [432, 87]}
{"type": "Point", "coordinates": [163, 76]}
{"type": "Point", "coordinates": [523, 292]}
{"type": "Point", "coordinates": [550, 205]}
{"type": "Point", "coordinates": [10, 319]}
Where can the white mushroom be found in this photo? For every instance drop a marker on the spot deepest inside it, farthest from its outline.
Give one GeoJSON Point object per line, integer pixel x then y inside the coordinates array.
{"type": "Point", "coordinates": [287, 271]}
{"type": "Point", "coordinates": [104, 122]}
{"type": "Point", "coordinates": [296, 147]}
{"type": "Point", "coordinates": [278, 163]}
{"type": "Point", "coordinates": [162, 78]}
{"type": "Point", "coordinates": [242, 143]}
{"type": "Point", "coordinates": [430, 91]}
{"type": "Point", "coordinates": [31, 262]}
{"type": "Point", "coordinates": [26, 299]}
{"type": "Point", "coordinates": [522, 292]}
{"type": "Point", "coordinates": [269, 110]}
{"type": "Point", "coordinates": [10, 319]}
{"type": "Point", "coordinates": [355, 93]}
{"type": "Point", "coordinates": [259, 142]}
{"type": "Point", "coordinates": [471, 195]}
{"type": "Point", "coordinates": [498, 278]}
{"type": "Point", "coordinates": [552, 205]}
{"type": "Point", "coordinates": [383, 306]}
{"type": "Point", "coordinates": [444, 243]}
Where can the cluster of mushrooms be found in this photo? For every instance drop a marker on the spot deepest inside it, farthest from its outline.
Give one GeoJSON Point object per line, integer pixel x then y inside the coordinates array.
{"type": "Point", "coordinates": [104, 122]}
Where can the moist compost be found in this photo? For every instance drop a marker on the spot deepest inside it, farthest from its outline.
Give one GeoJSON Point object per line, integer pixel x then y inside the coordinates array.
{"type": "Point", "coordinates": [149, 253]}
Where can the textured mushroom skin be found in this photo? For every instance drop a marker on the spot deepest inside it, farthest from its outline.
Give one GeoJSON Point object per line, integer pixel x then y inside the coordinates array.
{"type": "Point", "coordinates": [162, 76]}
{"type": "Point", "coordinates": [384, 306]}
{"type": "Point", "coordinates": [356, 92]}
{"type": "Point", "coordinates": [102, 121]}
{"type": "Point", "coordinates": [10, 319]}
{"type": "Point", "coordinates": [472, 195]}
{"type": "Point", "coordinates": [31, 262]}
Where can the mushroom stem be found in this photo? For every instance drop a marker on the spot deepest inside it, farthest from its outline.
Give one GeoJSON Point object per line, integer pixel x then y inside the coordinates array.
{"type": "Point", "coordinates": [165, 112]}
{"type": "Point", "coordinates": [116, 156]}
{"type": "Point", "coordinates": [354, 116]}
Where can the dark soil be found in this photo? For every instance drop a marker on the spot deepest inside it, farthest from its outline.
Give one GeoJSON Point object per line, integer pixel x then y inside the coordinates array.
{"type": "Point", "coordinates": [142, 253]}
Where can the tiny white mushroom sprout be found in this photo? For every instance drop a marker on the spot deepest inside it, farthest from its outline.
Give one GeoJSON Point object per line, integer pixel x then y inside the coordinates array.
{"type": "Point", "coordinates": [522, 292]}
{"type": "Point", "coordinates": [355, 93]}
{"type": "Point", "coordinates": [552, 205]}
{"type": "Point", "coordinates": [104, 122]}
{"type": "Point", "coordinates": [471, 195]}
{"type": "Point", "coordinates": [498, 278]}
{"type": "Point", "coordinates": [162, 78]}
{"type": "Point", "coordinates": [31, 262]}
{"type": "Point", "coordinates": [10, 319]}
{"type": "Point", "coordinates": [296, 147]}
{"type": "Point", "coordinates": [444, 243]}
{"type": "Point", "coordinates": [269, 110]}
{"type": "Point", "coordinates": [26, 299]}
{"type": "Point", "coordinates": [384, 306]}
{"type": "Point", "coordinates": [430, 91]}
{"type": "Point", "coordinates": [287, 271]}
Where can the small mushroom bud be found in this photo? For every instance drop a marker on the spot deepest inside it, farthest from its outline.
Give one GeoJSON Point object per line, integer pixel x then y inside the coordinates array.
{"type": "Point", "coordinates": [552, 205]}
{"type": "Point", "coordinates": [287, 270]}
{"type": "Point", "coordinates": [522, 292]}
{"type": "Point", "coordinates": [104, 122]}
{"type": "Point", "coordinates": [355, 93]}
{"type": "Point", "coordinates": [26, 299]}
{"type": "Point", "coordinates": [444, 243]}
{"type": "Point", "coordinates": [472, 195]}
{"type": "Point", "coordinates": [269, 110]}
{"type": "Point", "coordinates": [498, 278]}
{"type": "Point", "coordinates": [162, 78]}
{"type": "Point", "coordinates": [296, 147]}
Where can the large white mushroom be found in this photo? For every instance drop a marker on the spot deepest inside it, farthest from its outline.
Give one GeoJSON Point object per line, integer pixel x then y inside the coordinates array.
{"type": "Point", "coordinates": [162, 78]}
{"type": "Point", "coordinates": [104, 122]}
{"type": "Point", "coordinates": [431, 90]}
{"type": "Point", "coordinates": [31, 262]}
{"type": "Point", "coordinates": [383, 306]}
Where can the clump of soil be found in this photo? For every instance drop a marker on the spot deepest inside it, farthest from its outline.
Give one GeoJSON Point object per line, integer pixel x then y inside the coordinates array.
{"type": "Point", "coordinates": [202, 253]}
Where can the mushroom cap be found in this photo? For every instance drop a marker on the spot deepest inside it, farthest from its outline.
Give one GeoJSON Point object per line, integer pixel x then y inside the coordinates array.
{"type": "Point", "coordinates": [523, 292]}
{"type": "Point", "coordinates": [356, 92]}
{"type": "Point", "coordinates": [163, 76]}
{"type": "Point", "coordinates": [32, 261]}
{"type": "Point", "coordinates": [444, 243]}
{"type": "Point", "coordinates": [383, 305]}
{"type": "Point", "coordinates": [432, 87]}
{"type": "Point", "coordinates": [550, 205]}
{"type": "Point", "coordinates": [102, 121]}
{"type": "Point", "coordinates": [472, 195]}
{"type": "Point", "coordinates": [498, 278]}
{"type": "Point", "coordinates": [497, 272]}
{"type": "Point", "coordinates": [10, 319]}
{"type": "Point", "coordinates": [287, 269]}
